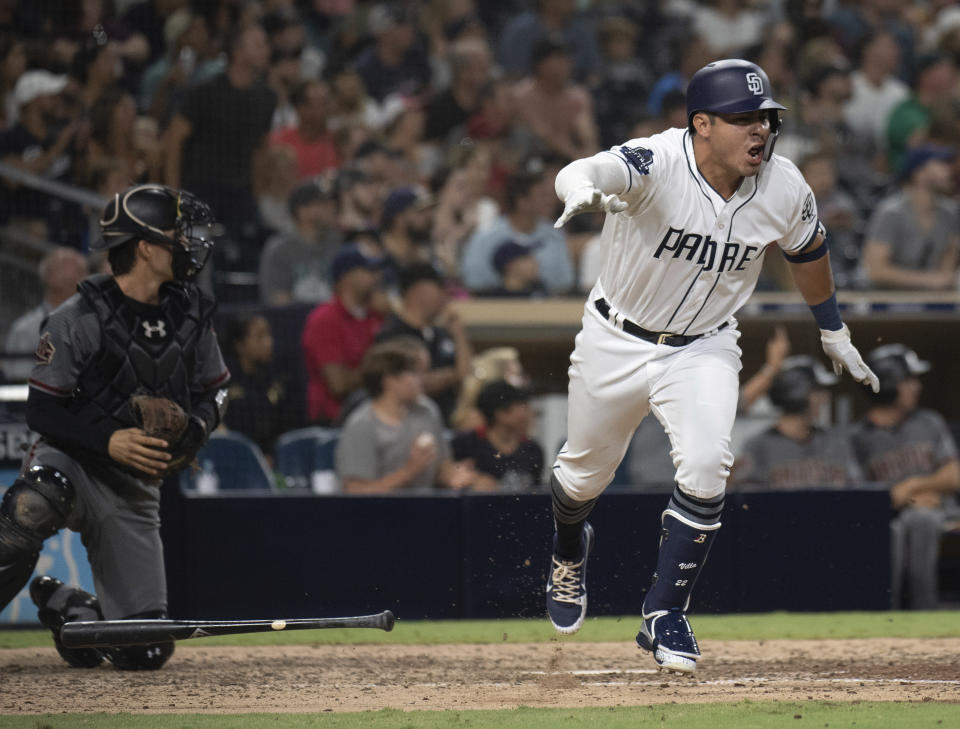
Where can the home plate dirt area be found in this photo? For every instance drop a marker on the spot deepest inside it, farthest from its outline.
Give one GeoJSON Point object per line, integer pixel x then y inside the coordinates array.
{"type": "Point", "coordinates": [312, 678]}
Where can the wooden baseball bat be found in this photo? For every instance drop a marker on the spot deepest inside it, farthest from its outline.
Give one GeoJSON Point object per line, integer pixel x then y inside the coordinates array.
{"type": "Point", "coordinates": [106, 633]}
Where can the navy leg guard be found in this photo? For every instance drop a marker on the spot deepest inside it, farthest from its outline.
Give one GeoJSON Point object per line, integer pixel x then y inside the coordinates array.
{"type": "Point", "coordinates": [689, 528]}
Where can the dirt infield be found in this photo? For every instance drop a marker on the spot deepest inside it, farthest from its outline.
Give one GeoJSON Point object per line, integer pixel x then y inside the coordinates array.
{"type": "Point", "coordinates": [313, 678]}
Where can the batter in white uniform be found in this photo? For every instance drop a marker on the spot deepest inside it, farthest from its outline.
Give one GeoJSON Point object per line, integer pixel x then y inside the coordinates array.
{"type": "Point", "coordinates": [690, 214]}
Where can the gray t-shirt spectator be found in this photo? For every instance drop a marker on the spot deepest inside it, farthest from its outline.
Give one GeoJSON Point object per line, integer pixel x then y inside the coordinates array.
{"type": "Point", "coordinates": [369, 448]}
{"type": "Point", "coordinates": [22, 340]}
{"type": "Point", "coordinates": [298, 268]}
{"type": "Point", "coordinates": [773, 461]}
{"type": "Point", "coordinates": [918, 446]}
{"type": "Point", "coordinates": [911, 246]}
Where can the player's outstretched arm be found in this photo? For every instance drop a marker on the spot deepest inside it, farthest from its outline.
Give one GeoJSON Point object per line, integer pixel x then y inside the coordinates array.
{"type": "Point", "coordinates": [811, 272]}
{"type": "Point", "coordinates": [590, 185]}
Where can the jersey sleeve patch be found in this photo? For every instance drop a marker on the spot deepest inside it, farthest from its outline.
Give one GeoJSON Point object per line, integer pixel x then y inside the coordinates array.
{"type": "Point", "coordinates": [639, 158]}
{"type": "Point", "coordinates": [45, 349]}
{"type": "Point", "coordinates": [808, 208]}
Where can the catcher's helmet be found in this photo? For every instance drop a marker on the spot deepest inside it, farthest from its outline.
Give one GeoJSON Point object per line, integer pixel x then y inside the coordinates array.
{"type": "Point", "coordinates": [150, 213]}
{"type": "Point", "coordinates": [798, 377]}
{"type": "Point", "coordinates": [730, 87]}
{"type": "Point", "coordinates": [892, 364]}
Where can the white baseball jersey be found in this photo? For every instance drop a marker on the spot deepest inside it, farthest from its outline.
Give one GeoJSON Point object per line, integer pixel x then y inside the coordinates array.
{"type": "Point", "coordinates": [680, 258]}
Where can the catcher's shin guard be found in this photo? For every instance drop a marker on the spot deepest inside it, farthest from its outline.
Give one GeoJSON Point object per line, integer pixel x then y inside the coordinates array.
{"type": "Point", "coordinates": [57, 604]}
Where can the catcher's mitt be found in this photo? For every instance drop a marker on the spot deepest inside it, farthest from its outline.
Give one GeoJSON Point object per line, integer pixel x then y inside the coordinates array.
{"type": "Point", "coordinates": [163, 418]}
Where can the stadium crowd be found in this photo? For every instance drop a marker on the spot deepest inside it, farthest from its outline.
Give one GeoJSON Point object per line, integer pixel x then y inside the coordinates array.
{"type": "Point", "coordinates": [378, 162]}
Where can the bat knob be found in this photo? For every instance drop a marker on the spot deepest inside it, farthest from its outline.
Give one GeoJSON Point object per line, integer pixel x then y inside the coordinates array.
{"type": "Point", "coordinates": [388, 620]}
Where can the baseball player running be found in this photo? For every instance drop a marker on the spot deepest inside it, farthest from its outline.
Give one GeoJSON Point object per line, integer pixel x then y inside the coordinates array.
{"type": "Point", "coordinates": [124, 391]}
{"type": "Point", "coordinates": [690, 214]}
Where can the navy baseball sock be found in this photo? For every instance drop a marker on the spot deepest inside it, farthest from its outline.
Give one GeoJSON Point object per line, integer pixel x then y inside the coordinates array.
{"type": "Point", "coordinates": [568, 516]}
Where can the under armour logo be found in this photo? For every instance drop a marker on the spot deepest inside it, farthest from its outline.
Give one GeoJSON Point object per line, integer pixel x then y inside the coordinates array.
{"type": "Point", "coordinates": [754, 84]}
{"type": "Point", "coordinates": [159, 328]}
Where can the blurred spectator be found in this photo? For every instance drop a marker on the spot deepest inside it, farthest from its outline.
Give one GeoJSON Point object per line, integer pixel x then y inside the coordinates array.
{"type": "Point", "coordinates": [850, 23]}
{"type": "Point", "coordinates": [519, 272]}
{"type": "Point", "coordinates": [404, 138]}
{"type": "Point", "coordinates": [497, 363]}
{"type": "Point", "coordinates": [530, 200]}
{"type": "Point", "coordinates": [149, 19]}
{"type": "Point", "coordinates": [405, 224]}
{"type": "Point", "coordinates": [13, 62]}
{"type": "Point", "coordinates": [549, 17]}
{"type": "Point", "coordinates": [96, 67]}
{"type": "Point", "coordinates": [39, 143]}
{"type": "Point", "coordinates": [504, 455]}
{"type": "Point", "coordinates": [841, 217]}
{"type": "Point", "coordinates": [352, 110]}
{"type": "Point", "coordinates": [212, 139]}
{"type": "Point", "coordinates": [448, 111]}
{"type": "Point", "coordinates": [296, 266]}
{"type": "Point", "coordinates": [396, 439]}
{"type": "Point", "coordinates": [463, 205]}
{"type": "Point", "coordinates": [292, 60]}
{"type": "Point", "coordinates": [558, 112]}
{"type": "Point", "coordinates": [729, 26]}
{"type": "Point", "coordinates": [820, 127]}
{"type": "Point", "coordinates": [309, 137]}
{"type": "Point", "coordinates": [876, 88]}
{"type": "Point", "coordinates": [395, 63]}
{"type": "Point", "coordinates": [60, 271]}
{"type": "Point", "coordinates": [912, 238]}
{"type": "Point", "coordinates": [191, 59]}
{"type": "Point", "coordinates": [425, 312]}
{"type": "Point", "coordinates": [338, 333]}
{"type": "Point", "coordinates": [258, 396]}
{"type": "Point", "coordinates": [692, 54]}
{"type": "Point", "coordinates": [275, 179]}
{"type": "Point", "coordinates": [359, 200]}
{"type": "Point", "coordinates": [907, 124]}
{"type": "Point", "coordinates": [623, 81]}
{"type": "Point", "coordinates": [912, 450]}
{"type": "Point", "coordinates": [796, 452]}
{"type": "Point", "coordinates": [113, 135]}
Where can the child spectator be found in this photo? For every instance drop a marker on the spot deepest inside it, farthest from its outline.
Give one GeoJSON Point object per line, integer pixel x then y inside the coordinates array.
{"type": "Point", "coordinates": [501, 450]}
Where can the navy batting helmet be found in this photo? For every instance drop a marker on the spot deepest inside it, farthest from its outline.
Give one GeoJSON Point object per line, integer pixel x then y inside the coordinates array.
{"type": "Point", "coordinates": [798, 377]}
{"type": "Point", "coordinates": [730, 87]}
{"type": "Point", "coordinates": [892, 364]}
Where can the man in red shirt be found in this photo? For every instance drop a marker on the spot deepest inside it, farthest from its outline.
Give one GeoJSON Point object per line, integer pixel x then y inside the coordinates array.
{"type": "Point", "coordinates": [310, 139]}
{"type": "Point", "coordinates": [338, 333]}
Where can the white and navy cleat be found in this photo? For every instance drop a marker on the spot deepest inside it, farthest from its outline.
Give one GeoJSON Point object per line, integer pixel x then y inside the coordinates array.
{"type": "Point", "coordinates": [567, 588]}
{"type": "Point", "coordinates": [668, 635]}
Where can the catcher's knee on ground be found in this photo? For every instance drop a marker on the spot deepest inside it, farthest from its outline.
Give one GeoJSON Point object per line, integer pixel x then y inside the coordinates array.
{"type": "Point", "coordinates": [148, 657]}
{"type": "Point", "coordinates": [34, 508]}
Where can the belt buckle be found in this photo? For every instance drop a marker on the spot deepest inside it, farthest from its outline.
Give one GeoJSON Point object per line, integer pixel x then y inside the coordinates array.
{"type": "Point", "coordinates": [662, 337]}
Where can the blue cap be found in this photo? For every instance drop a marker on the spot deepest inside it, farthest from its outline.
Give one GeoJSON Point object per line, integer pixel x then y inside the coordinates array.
{"type": "Point", "coordinates": [399, 200]}
{"type": "Point", "coordinates": [506, 253]}
{"type": "Point", "coordinates": [349, 257]}
{"type": "Point", "coordinates": [917, 157]}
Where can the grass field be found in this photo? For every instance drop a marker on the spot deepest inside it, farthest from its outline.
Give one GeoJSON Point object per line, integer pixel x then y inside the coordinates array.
{"type": "Point", "coordinates": [907, 714]}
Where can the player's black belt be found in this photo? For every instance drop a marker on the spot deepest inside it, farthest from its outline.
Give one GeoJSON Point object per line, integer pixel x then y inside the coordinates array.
{"type": "Point", "coordinates": [671, 340]}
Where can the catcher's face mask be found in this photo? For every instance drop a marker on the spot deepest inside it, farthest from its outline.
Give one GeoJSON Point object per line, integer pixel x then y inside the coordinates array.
{"type": "Point", "coordinates": [192, 237]}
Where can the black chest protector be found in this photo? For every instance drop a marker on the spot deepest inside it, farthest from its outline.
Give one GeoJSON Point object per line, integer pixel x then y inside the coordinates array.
{"type": "Point", "coordinates": [143, 349]}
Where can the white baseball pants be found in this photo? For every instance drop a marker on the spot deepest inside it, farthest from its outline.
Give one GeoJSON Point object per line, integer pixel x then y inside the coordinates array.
{"type": "Point", "coordinates": [617, 378]}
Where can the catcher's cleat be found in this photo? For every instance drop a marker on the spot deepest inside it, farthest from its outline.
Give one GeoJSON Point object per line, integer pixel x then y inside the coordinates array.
{"type": "Point", "coordinates": [57, 604]}
{"type": "Point", "coordinates": [567, 587]}
{"type": "Point", "coordinates": [668, 635]}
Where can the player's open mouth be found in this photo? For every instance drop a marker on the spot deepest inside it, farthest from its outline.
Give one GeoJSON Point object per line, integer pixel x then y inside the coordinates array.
{"type": "Point", "coordinates": [755, 153]}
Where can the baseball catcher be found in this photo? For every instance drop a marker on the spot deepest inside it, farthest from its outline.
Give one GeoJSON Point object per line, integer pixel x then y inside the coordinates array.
{"type": "Point", "coordinates": [125, 389]}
